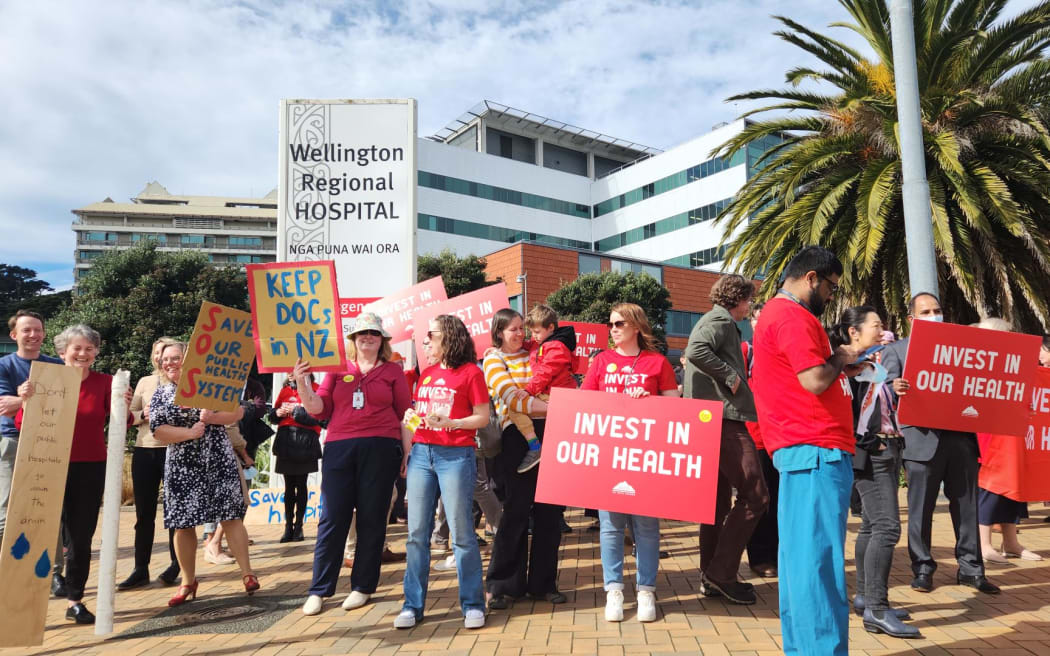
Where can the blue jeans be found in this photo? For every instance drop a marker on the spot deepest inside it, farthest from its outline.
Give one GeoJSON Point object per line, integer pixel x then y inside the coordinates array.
{"type": "Point", "coordinates": [815, 488]}
{"type": "Point", "coordinates": [449, 470]}
{"type": "Point", "coordinates": [646, 533]}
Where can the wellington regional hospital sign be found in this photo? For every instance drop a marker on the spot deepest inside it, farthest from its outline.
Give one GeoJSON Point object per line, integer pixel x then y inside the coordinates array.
{"type": "Point", "coordinates": [347, 191]}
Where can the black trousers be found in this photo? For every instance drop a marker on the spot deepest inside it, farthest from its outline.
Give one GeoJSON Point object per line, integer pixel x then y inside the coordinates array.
{"type": "Point", "coordinates": [147, 475]}
{"type": "Point", "coordinates": [84, 485]}
{"type": "Point", "coordinates": [514, 570]}
{"type": "Point", "coordinates": [881, 527]}
{"type": "Point", "coordinates": [765, 540]}
{"type": "Point", "coordinates": [295, 498]}
{"type": "Point", "coordinates": [357, 475]}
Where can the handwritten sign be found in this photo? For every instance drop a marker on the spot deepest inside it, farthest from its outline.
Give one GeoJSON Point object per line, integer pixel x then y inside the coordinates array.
{"type": "Point", "coordinates": [968, 379]}
{"type": "Point", "coordinates": [295, 307]}
{"type": "Point", "coordinates": [35, 509]}
{"type": "Point", "coordinates": [219, 359]}
{"type": "Point", "coordinates": [589, 337]}
{"type": "Point", "coordinates": [476, 309]}
{"type": "Point", "coordinates": [266, 506]}
{"type": "Point", "coordinates": [397, 310]}
{"type": "Point", "coordinates": [656, 456]}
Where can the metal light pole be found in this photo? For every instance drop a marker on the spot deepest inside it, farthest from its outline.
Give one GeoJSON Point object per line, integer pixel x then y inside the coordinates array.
{"type": "Point", "coordinates": [524, 280]}
{"type": "Point", "coordinates": [918, 222]}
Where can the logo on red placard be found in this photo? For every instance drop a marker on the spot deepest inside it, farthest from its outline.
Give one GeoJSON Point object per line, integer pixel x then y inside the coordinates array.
{"type": "Point", "coordinates": [623, 487]}
{"type": "Point", "coordinates": [970, 411]}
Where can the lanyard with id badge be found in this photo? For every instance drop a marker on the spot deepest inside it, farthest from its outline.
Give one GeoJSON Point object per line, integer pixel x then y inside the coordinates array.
{"type": "Point", "coordinates": [357, 399]}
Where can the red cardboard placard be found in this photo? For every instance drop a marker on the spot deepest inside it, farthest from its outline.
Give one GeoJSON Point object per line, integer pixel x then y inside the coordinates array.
{"type": "Point", "coordinates": [398, 309]}
{"type": "Point", "coordinates": [1016, 466]}
{"type": "Point", "coordinates": [349, 308]}
{"type": "Point", "coordinates": [589, 336]}
{"type": "Point", "coordinates": [656, 456]}
{"type": "Point", "coordinates": [968, 379]}
{"type": "Point", "coordinates": [475, 308]}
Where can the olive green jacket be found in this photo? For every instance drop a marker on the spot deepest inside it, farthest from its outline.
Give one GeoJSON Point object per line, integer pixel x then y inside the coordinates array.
{"type": "Point", "coordinates": [714, 362]}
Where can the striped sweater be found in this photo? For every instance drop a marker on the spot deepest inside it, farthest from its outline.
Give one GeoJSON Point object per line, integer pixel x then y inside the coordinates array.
{"type": "Point", "coordinates": [505, 374]}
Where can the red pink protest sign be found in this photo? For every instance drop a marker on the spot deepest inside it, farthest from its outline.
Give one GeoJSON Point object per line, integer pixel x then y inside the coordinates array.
{"type": "Point", "coordinates": [968, 379]}
{"type": "Point", "coordinates": [397, 310]}
{"type": "Point", "coordinates": [475, 308]}
{"type": "Point", "coordinates": [589, 337]}
{"type": "Point", "coordinates": [1016, 466]}
{"type": "Point", "coordinates": [349, 308]}
{"type": "Point", "coordinates": [655, 456]}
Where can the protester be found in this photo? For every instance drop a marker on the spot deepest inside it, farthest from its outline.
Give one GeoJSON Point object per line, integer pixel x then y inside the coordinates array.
{"type": "Point", "coordinates": [296, 449]}
{"type": "Point", "coordinates": [715, 370]}
{"type": "Point", "coordinates": [933, 457]}
{"type": "Point", "coordinates": [254, 429]}
{"type": "Point", "coordinates": [451, 405]}
{"type": "Point", "coordinates": [214, 531]}
{"type": "Point", "coordinates": [516, 567]}
{"type": "Point", "coordinates": [147, 474]}
{"type": "Point", "coordinates": [202, 480]}
{"type": "Point", "coordinates": [363, 455]}
{"type": "Point", "coordinates": [876, 471]}
{"type": "Point", "coordinates": [649, 374]}
{"type": "Point", "coordinates": [803, 403]}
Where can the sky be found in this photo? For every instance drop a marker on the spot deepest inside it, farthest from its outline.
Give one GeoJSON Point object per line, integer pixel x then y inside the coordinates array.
{"type": "Point", "coordinates": [103, 97]}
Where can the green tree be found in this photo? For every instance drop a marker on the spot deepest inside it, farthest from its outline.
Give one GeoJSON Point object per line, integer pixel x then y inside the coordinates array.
{"type": "Point", "coordinates": [460, 274]}
{"type": "Point", "coordinates": [47, 305]}
{"type": "Point", "coordinates": [132, 297]}
{"type": "Point", "coordinates": [591, 296]}
{"type": "Point", "coordinates": [835, 178]}
{"type": "Point", "coordinates": [18, 284]}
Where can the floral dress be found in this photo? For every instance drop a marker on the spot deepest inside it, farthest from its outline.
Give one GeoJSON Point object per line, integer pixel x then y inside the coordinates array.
{"type": "Point", "coordinates": [201, 477]}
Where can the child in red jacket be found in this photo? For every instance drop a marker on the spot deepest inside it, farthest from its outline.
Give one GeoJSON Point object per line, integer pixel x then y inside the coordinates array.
{"type": "Point", "coordinates": [551, 364]}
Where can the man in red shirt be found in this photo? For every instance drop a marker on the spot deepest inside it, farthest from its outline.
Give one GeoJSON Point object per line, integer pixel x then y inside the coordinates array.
{"type": "Point", "coordinates": [803, 402]}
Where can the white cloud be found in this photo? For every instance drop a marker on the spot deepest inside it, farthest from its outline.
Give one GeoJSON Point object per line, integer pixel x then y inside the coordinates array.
{"type": "Point", "coordinates": [103, 97]}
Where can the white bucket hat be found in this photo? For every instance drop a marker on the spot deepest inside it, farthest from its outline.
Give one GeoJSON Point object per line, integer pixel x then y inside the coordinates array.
{"type": "Point", "coordinates": [368, 321]}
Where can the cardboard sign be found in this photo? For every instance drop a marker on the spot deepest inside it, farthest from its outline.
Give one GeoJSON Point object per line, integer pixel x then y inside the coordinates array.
{"type": "Point", "coordinates": [349, 308]}
{"type": "Point", "coordinates": [1016, 466]}
{"type": "Point", "coordinates": [476, 309]}
{"type": "Point", "coordinates": [219, 358]}
{"type": "Point", "coordinates": [589, 337]}
{"type": "Point", "coordinates": [656, 456]}
{"type": "Point", "coordinates": [398, 309]}
{"type": "Point", "coordinates": [968, 379]}
{"type": "Point", "coordinates": [35, 508]}
{"type": "Point", "coordinates": [266, 505]}
{"type": "Point", "coordinates": [295, 307]}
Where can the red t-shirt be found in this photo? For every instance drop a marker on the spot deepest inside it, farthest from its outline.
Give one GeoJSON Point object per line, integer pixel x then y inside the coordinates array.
{"type": "Point", "coordinates": [386, 399]}
{"type": "Point", "coordinates": [452, 393]}
{"type": "Point", "coordinates": [788, 340]}
{"type": "Point", "coordinates": [619, 374]}
{"type": "Point", "coordinates": [289, 395]}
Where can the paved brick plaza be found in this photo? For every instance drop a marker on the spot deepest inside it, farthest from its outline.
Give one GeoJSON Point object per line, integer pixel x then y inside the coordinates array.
{"type": "Point", "coordinates": [953, 620]}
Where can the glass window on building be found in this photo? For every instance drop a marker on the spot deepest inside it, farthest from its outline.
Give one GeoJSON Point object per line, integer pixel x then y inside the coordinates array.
{"type": "Point", "coordinates": [564, 159]}
{"type": "Point", "coordinates": [100, 236]}
{"type": "Point", "coordinates": [603, 166]}
{"type": "Point", "coordinates": [590, 264]}
{"type": "Point", "coordinates": [137, 237]}
{"type": "Point", "coordinates": [681, 323]}
{"type": "Point", "coordinates": [245, 241]}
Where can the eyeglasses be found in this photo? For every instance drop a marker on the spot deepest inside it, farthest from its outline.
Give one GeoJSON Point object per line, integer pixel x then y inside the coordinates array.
{"type": "Point", "coordinates": [616, 324]}
{"type": "Point", "coordinates": [431, 333]}
{"type": "Point", "coordinates": [834, 288]}
{"type": "Point", "coordinates": [370, 333]}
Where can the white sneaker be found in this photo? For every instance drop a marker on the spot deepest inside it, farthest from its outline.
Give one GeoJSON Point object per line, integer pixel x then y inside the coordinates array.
{"type": "Point", "coordinates": [474, 619]}
{"type": "Point", "coordinates": [448, 564]}
{"type": "Point", "coordinates": [406, 619]}
{"type": "Point", "coordinates": [614, 606]}
{"type": "Point", "coordinates": [355, 600]}
{"type": "Point", "coordinates": [646, 606]}
{"type": "Point", "coordinates": [312, 605]}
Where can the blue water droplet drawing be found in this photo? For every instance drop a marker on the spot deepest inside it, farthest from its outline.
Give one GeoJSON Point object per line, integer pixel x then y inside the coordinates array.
{"type": "Point", "coordinates": [20, 548]}
{"type": "Point", "coordinates": [43, 566]}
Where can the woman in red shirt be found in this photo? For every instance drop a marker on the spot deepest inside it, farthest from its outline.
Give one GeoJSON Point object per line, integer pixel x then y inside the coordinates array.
{"type": "Point", "coordinates": [637, 369]}
{"type": "Point", "coordinates": [297, 448]}
{"type": "Point", "coordinates": [362, 458]}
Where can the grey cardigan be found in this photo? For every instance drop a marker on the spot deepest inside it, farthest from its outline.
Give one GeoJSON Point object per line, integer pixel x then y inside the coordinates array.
{"type": "Point", "coordinates": [715, 361]}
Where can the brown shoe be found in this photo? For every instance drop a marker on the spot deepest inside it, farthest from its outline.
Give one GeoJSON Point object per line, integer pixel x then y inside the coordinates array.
{"type": "Point", "coordinates": [389, 556]}
{"type": "Point", "coordinates": [765, 570]}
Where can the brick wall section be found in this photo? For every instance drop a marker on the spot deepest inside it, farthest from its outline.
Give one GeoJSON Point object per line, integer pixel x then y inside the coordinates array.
{"type": "Point", "coordinates": [677, 343]}
{"type": "Point", "coordinates": [505, 264]}
{"type": "Point", "coordinates": [549, 269]}
{"type": "Point", "coordinates": [690, 289]}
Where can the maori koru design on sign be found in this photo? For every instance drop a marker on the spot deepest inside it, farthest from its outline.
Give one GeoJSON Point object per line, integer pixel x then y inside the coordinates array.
{"type": "Point", "coordinates": [309, 126]}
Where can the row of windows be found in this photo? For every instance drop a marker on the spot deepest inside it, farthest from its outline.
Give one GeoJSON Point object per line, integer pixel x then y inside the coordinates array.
{"type": "Point", "coordinates": [593, 264]}
{"type": "Point", "coordinates": [699, 258]}
{"type": "Point", "coordinates": [240, 259]}
{"type": "Point", "coordinates": [663, 226]}
{"type": "Point", "coordinates": [494, 233]}
{"type": "Point", "coordinates": [185, 240]}
{"type": "Point", "coordinates": [681, 323]}
{"type": "Point", "coordinates": [691, 174]}
{"type": "Point", "coordinates": [501, 194]}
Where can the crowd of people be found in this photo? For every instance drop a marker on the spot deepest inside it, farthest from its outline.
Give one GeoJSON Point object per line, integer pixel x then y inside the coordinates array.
{"type": "Point", "coordinates": [809, 417]}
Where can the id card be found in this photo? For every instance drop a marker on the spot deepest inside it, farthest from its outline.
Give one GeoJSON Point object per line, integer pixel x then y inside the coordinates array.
{"type": "Point", "coordinates": [358, 400]}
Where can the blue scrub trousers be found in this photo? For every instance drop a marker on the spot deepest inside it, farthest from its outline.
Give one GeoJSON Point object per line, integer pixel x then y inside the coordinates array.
{"type": "Point", "coordinates": [814, 501]}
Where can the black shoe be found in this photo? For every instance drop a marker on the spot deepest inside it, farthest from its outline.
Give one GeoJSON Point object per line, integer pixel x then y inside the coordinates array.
{"type": "Point", "coordinates": [499, 602]}
{"type": "Point", "coordinates": [977, 582]}
{"type": "Point", "coordinates": [297, 533]}
{"type": "Point", "coordinates": [565, 528]}
{"type": "Point", "coordinates": [859, 605]}
{"type": "Point", "coordinates": [880, 621]}
{"type": "Point", "coordinates": [553, 597]}
{"type": "Point", "coordinates": [664, 554]}
{"type": "Point", "coordinates": [734, 591]}
{"type": "Point", "coordinates": [58, 587]}
{"type": "Point", "coordinates": [287, 537]}
{"type": "Point", "coordinates": [137, 579]}
{"type": "Point", "coordinates": [80, 614]}
{"type": "Point", "coordinates": [922, 583]}
{"type": "Point", "coordinates": [170, 576]}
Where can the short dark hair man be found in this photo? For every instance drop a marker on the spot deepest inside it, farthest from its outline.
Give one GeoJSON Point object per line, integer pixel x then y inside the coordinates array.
{"type": "Point", "coordinates": [804, 408]}
{"type": "Point", "coordinates": [715, 370]}
{"type": "Point", "coordinates": [932, 457]}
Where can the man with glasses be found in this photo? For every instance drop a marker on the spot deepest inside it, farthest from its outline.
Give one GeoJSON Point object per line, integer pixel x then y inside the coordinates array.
{"type": "Point", "coordinates": [804, 407]}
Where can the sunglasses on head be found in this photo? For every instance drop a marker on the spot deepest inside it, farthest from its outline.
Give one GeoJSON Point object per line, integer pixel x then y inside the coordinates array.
{"type": "Point", "coordinates": [616, 324]}
{"type": "Point", "coordinates": [370, 333]}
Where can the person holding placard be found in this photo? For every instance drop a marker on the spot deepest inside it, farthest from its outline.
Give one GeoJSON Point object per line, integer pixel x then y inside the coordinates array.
{"type": "Point", "coordinates": [363, 455]}
{"type": "Point", "coordinates": [202, 478]}
{"type": "Point", "coordinates": [635, 368]}
{"type": "Point", "coordinates": [452, 403]}
{"type": "Point", "coordinates": [933, 457]}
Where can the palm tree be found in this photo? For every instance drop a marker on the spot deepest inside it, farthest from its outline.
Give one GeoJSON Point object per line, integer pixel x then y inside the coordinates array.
{"type": "Point", "coordinates": [835, 178]}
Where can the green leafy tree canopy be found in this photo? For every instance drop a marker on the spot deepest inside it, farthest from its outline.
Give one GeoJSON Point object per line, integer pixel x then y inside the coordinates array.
{"type": "Point", "coordinates": [18, 284]}
{"type": "Point", "coordinates": [591, 296]}
{"type": "Point", "coordinates": [460, 274]}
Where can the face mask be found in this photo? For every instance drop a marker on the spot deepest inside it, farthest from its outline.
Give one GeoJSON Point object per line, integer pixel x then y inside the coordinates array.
{"type": "Point", "coordinates": [936, 318]}
{"type": "Point", "coordinates": [876, 373]}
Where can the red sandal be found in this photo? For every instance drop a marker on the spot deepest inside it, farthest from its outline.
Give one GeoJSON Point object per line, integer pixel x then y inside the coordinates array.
{"type": "Point", "coordinates": [185, 593]}
{"type": "Point", "coordinates": [251, 583]}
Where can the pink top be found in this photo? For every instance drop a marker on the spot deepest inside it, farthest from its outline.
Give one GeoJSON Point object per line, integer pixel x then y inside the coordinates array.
{"type": "Point", "coordinates": [386, 399]}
